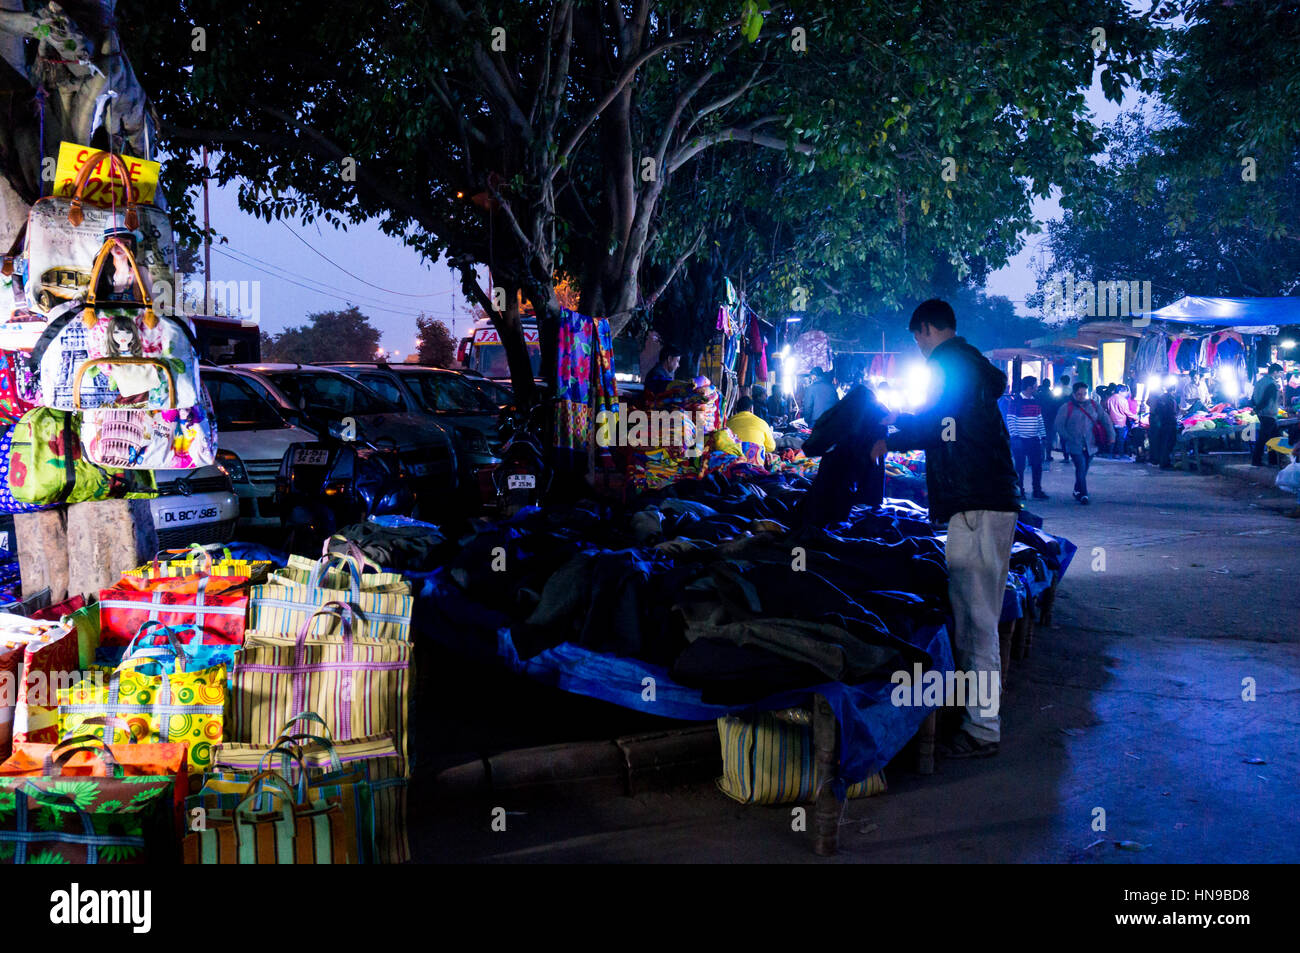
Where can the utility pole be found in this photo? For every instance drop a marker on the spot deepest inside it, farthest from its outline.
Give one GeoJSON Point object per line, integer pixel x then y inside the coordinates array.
{"type": "Point", "coordinates": [207, 240]}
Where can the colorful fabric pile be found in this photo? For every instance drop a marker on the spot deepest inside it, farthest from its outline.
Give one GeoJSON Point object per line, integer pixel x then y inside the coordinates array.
{"type": "Point", "coordinates": [1218, 417]}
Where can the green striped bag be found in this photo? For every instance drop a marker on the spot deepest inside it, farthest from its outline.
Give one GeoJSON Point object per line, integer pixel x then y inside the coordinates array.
{"type": "Point", "coordinates": [292, 595]}
{"type": "Point", "coordinates": [768, 760]}
{"type": "Point", "coordinates": [291, 832]}
{"type": "Point", "coordinates": [331, 766]}
{"type": "Point", "coordinates": [360, 687]}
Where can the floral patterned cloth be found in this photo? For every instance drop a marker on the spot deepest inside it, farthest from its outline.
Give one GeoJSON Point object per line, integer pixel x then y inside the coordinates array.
{"type": "Point", "coordinates": [584, 378]}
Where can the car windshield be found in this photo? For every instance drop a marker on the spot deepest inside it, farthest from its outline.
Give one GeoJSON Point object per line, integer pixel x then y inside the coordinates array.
{"type": "Point", "coordinates": [239, 407]}
{"type": "Point", "coordinates": [447, 392]}
{"type": "Point", "coordinates": [336, 393]}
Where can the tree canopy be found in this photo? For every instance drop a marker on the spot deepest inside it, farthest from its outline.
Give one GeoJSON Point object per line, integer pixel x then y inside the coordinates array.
{"type": "Point", "coordinates": [344, 335]}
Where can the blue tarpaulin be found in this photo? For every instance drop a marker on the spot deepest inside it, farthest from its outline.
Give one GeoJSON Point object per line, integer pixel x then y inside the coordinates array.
{"type": "Point", "coordinates": [1245, 313]}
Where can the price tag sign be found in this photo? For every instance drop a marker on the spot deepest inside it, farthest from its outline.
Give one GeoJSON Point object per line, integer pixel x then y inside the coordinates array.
{"type": "Point", "coordinates": [105, 185]}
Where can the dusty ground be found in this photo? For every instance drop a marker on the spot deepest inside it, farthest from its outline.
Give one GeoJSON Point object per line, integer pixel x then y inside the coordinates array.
{"type": "Point", "coordinates": [1184, 586]}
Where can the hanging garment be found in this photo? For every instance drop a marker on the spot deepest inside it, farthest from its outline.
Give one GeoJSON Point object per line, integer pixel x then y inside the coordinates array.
{"type": "Point", "coordinates": [584, 373]}
{"type": "Point", "coordinates": [1187, 354]}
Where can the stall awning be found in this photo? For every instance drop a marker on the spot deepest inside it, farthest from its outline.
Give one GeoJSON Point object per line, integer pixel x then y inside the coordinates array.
{"type": "Point", "coordinates": [1248, 315]}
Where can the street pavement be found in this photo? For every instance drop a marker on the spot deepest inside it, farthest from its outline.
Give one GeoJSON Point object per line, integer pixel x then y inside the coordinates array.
{"type": "Point", "coordinates": [1180, 599]}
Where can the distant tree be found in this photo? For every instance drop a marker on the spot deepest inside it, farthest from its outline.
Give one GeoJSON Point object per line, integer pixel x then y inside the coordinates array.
{"type": "Point", "coordinates": [344, 335]}
{"type": "Point", "coordinates": [437, 347]}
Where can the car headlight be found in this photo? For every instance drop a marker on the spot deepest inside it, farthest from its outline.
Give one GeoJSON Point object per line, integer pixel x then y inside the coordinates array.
{"type": "Point", "coordinates": [472, 440]}
{"type": "Point", "coordinates": [232, 466]}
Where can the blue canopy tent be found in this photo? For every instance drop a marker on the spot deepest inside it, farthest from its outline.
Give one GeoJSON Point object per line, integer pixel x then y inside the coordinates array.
{"type": "Point", "coordinates": [1247, 315]}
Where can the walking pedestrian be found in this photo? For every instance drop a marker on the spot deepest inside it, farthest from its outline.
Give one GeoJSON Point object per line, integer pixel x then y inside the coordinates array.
{"type": "Point", "coordinates": [819, 397]}
{"type": "Point", "coordinates": [1048, 403]}
{"type": "Point", "coordinates": [1122, 418]}
{"type": "Point", "coordinates": [1083, 427]}
{"type": "Point", "coordinates": [1164, 426]}
{"type": "Point", "coordinates": [972, 487]}
{"type": "Point", "coordinates": [1028, 428]}
{"type": "Point", "coordinates": [1265, 400]}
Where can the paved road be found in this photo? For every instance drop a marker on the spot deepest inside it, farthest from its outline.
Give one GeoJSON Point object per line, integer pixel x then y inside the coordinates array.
{"type": "Point", "coordinates": [1182, 589]}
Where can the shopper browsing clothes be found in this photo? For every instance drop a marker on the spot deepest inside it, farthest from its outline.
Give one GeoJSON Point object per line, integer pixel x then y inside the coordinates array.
{"type": "Point", "coordinates": [1083, 427]}
{"type": "Point", "coordinates": [1163, 431]}
{"type": "Point", "coordinates": [848, 474]}
{"type": "Point", "coordinates": [1028, 429]}
{"type": "Point", "coordinates": [1194, 391]}
{"type": "Point", "coordinates": [1123, 418]}
{"type": "Point", "coordinates": [972, 487]}
{"type": "Point", "coordinates": [1265, 400]}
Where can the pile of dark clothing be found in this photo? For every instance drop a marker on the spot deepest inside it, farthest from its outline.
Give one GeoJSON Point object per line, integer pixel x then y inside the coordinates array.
{"type": "Point", "coordinates": [721, 586]}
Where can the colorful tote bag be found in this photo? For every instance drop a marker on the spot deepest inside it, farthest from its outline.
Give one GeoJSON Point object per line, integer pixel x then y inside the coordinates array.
{"type": "Point", "coordinates": [128, 820]}
{"type": "Point", "coordinates": [292, 596]}
{"type": "Point", "coordinates": [49, 662]}
{"type": "Point", "coordinates": [82, 616]}
{"type": "Point", "coordinates": [20, 329]}
{"type": "Point", "coordinates": [376, 757]}
{"type": "Point", "coordinates": [135, 439]}
{"type": "Point", "coordinates": [177, 707]}
{"type": "Point", "coordinates": [47, 466]}
{"type": "Point", "coordinates": [168, 563]}
{"type": "Point", "coordinates": [359, 686]}
{"type": "Point", "coordinates": [86, 756]}
{"type": "Point", "coordinates": [11, 667]}
{"type": "Point", "coordinates": [177, 648]}
{"type": "Point", "coordinates": [314, 832]}
{"type": "Point", "coordinates": [64, 235]}
{"type": "Point", "coordinates": [766, 760]}
{"type": "Point", "coordinates": [215, 604]}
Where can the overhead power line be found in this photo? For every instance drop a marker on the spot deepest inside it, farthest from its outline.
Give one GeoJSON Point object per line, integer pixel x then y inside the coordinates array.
{"type": "Point", "coordinates": [404, 294]}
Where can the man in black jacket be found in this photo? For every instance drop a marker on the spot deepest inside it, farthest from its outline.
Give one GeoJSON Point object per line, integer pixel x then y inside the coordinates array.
{"type": "Point", "coordinates": [972, 487]}
{"type": "Point", "coordinates": [843, 438]}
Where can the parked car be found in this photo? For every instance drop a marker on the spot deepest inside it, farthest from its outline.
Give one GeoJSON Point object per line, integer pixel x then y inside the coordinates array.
{"type": "Point", "coordinates": [194, 506]}
{"type": "Point", "coordinates": [329, 403]}
{"type": "Point", "coordinates": [443, 395]}
{"type": "Point", "coordinates": [500, 394]}
{"type": "Point", "coordinates": [252, 437]}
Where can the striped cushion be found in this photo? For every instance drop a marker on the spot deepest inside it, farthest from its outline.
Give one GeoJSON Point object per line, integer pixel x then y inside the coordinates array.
{"type": "Point", "coordinates": [769, 761]}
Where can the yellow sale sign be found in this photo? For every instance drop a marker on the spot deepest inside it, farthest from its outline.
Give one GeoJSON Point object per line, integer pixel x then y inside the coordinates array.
{"type": "Point", "coordinates": [105, 185]}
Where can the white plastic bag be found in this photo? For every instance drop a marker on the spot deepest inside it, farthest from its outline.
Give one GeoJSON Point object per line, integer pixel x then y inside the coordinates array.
{"type": "Point", "coordinates": [1289, 478]}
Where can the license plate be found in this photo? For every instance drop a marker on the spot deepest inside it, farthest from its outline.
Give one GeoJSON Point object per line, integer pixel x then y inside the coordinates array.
{"type": "Point", "coordinates": [179, 515]}
{"type": "Point", "coordinates": [521, 481]}
{"type": "Point", "coordinates": [311, 458]}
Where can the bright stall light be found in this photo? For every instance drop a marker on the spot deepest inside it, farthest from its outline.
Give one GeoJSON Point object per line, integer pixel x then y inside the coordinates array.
{"type": "Point", "coordinates": [916, 384]}
{"type": "Point", "coordinates": [1171, 380]}
{"type": "Point", "coordinates": [1288, 344]}
{"type": "Point", "coordinates": [1153, 383]}
{"type": "Point", "coordinates": [1231, 387]}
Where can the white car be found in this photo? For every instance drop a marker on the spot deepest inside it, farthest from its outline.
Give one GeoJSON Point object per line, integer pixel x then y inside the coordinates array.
{"type": "Point", "coordinates": [193, 506]}
{"type": "Point", "coordinates": [252, 438]}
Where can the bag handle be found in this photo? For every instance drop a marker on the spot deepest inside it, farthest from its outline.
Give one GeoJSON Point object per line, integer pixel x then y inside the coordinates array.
{"type": "Point", "coordinates": [294, 742]}
{"type": "Point", "coordinates": [15, 251]}
{"type": "Point", "coordinates": [148, 631]}
{"type": "Point", "coordinates": [71, 746]}
{"type": "Point", "coordinates": [351, 549]}
{"type": "Point", "coordinates": [95, 361]}
{"type": "Point", "coordinates": [317, 576]}
{"type": "Point", "coordinates": [88, 317]}
{"type": "Point", "coordinates": [45, 797]}
{"type": "Point", "coordinates": [345, 612]}
{"type": "Point", "coordinates": [115, 161]}
{"type": "Point", "coordinates": [308, 716]}
{"type": "Point", "coordinates": [269, 783]}
{"type": "Point", "coordinates": [107, 721]}
{"type": "Point", "coordinates": [194, 550]}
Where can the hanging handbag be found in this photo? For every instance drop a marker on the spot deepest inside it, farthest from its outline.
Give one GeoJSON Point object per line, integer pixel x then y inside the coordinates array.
{"type": "Point", "coordinates": [141, 343]}
{"type": "Point", "coordinates": [136, 439]}
{"type": "Point", "coordinates": [47, 466]}
{"type": "Point", "coordinates": [64, 236]}
{"type": "Point", "coordinates": [15, 386]}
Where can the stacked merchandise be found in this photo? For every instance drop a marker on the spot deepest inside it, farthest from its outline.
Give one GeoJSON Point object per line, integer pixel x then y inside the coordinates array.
{"type": "Point", "coordinates": [272, 703]}
{"type": "Point", "coordinates": [1221, 417]}
{"type": "Point", "coordinates": [709, 605]}
{"type": "Point", "coordinates": [99, 384]}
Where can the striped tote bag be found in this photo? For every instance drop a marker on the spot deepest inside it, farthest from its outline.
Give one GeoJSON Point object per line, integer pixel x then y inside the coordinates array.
{"type": "Point", "coordinates": [376, 757]}
{"type": "Point", "coordinates": [291, 832]}
{"type": "Point", "coordinates": [769, 760]}
{"type": "Point", "coordinates": [358, 686]}
{"type": "Point", "coordinates": [291, 597]}
{"type": "Point", "coordinates": [201, 559]}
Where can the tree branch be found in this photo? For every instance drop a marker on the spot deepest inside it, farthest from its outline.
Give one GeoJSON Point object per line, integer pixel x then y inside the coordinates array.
{"type": "Point", "coordinates": [698, 145]}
